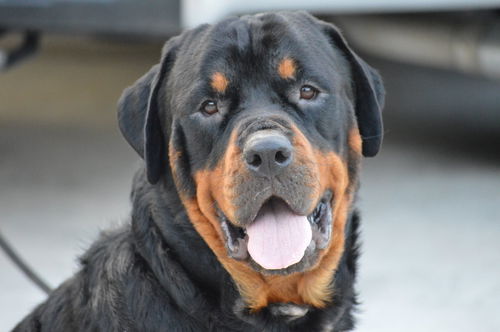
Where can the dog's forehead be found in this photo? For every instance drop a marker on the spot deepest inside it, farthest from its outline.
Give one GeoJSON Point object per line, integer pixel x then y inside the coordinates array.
{"type": "Point", "coordinates": [256, 43]}
{"type": "Point", "coordinates": [249, 45]}
{"type": "Point", "coordinates": [252, 35]}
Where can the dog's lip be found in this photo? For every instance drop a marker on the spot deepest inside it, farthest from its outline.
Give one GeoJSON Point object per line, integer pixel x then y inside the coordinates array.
{"type": "Point", "coordinates": [236, 238]}
{"type": "Point", "coordinates": [320, 220]}
{"type": "Point", "coordinates": [268, 198]}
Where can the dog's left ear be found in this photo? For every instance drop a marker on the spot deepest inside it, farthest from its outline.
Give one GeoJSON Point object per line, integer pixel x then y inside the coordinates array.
{"type": "Point", "coordinates": [369, 93]}
{"type": "Point", "coordinates": [139, 115]}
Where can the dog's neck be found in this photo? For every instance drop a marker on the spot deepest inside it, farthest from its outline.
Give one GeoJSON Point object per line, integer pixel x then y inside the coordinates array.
{"type": "Point", "coordinates": [160, 206]}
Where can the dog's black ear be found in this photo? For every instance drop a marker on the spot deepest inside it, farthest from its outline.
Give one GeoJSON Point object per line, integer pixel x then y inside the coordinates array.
{"type": "Point", "coordinates": [369, 93]}
{"type": "Point", "coordinates": [139, 115]}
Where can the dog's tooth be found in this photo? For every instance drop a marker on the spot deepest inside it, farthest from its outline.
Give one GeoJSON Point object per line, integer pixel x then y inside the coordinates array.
{"type": "Point", "coordinates": [238, 249]}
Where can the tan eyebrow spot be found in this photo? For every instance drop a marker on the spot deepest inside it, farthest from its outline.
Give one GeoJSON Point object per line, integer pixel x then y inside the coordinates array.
{"type": "Point", "coordinates": [219, 82]}
{"type": "Point", "coordinates": [287, 68]}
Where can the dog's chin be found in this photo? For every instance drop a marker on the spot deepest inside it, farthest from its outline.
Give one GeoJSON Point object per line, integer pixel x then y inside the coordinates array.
{"type": "Point", "coordinates": [279, 241]}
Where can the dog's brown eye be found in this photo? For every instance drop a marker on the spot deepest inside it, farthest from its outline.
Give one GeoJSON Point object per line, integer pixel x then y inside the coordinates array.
{"type": "Point", "coordinates": [308, 92]}
{"type": "Point", "coordinates": [209, 107]}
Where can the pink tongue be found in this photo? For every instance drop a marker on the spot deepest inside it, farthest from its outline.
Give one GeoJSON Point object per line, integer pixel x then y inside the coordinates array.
{"type": "Point", "coordinates": [278, 238]}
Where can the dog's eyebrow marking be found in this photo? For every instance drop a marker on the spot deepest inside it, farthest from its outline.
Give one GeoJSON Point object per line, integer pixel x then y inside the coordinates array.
{"type": "Point", "coordinates": [219, 82]}
{"type": "Point", "coordinates": [287, 68]}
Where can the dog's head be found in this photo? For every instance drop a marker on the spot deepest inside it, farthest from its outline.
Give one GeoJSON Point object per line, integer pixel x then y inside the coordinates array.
{"type": "Point", "coordinates": [261, 121]}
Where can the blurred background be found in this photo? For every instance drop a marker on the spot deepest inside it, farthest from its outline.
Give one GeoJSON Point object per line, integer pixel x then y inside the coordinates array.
{"type": "Point", "coordinates": [430, 200]}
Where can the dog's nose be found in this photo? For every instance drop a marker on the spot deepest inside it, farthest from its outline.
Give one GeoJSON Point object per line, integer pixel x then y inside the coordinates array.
{"type": "Point", "coordinates": [267, 153]}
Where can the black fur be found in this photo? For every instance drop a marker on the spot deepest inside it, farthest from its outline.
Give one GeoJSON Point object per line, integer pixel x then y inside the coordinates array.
{"type": "Point", "coordinates": [157, 273]}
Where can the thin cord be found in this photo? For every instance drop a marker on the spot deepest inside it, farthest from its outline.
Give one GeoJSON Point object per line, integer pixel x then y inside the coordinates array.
{"type": "Point", "coordinates": [18, 261]}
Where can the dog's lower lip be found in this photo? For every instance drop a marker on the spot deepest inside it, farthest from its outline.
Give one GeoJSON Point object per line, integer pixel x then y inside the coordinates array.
{"type": "Point", "coordinates": [322, 224]}
{"type": "Point", "coordinates": [236, 238]}
{"type": "Point", "coordinates": [318, 213]}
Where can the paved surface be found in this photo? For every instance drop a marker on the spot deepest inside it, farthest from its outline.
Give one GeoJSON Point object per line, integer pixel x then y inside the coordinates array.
{"type": "Point", "coordinates": [431, 207]}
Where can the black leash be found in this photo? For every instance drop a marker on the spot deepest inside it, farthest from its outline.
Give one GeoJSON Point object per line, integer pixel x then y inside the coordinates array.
{"type": "Point", "coordinates": [18, 261]}
{"type": "Point", "coordinates": [26, 48]}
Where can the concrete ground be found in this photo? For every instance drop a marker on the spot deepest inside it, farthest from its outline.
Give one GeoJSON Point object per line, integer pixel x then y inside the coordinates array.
{"type": "Point", "coordinates": [430, 205]}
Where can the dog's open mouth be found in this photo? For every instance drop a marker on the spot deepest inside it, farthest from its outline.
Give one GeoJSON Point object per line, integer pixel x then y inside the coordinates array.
{"type": "Point", "coordinates": [279, 240]}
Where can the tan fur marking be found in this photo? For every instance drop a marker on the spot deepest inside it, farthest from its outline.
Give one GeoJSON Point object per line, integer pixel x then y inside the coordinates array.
{"type": "Point", "coordinates": [355, 141]}
{"type": "Point", "coordinates": [332, 175]}
{"type": "Point", "coordinates": [173, 154]}
{"type": "Point", "coordinates": [287, 68]}
{"type": "Point", "coordinates": [219, 82]}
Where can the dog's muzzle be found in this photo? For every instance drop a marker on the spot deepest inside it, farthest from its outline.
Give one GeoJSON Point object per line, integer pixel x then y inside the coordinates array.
{"type": "Point", "coordinates": [280, 220]}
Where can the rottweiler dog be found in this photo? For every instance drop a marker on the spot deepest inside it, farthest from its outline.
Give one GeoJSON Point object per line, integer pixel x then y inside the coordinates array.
{"type": "Point", "coordinates": [252, 131]}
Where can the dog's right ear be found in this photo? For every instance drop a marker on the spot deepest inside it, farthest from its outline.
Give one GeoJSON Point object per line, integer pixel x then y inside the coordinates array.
{"type": "Point", "coordinates": [139, 118]}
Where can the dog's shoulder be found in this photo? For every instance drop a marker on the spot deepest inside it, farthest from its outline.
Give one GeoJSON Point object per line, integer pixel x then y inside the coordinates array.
{"type": "Point", "coordinates": [118, 289]}
{"type": "Point", "coordinates": [92, 292]}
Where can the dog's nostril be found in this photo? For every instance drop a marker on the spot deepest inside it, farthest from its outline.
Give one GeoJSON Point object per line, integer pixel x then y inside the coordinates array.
{"type": "Point", "coordinates": [282, 157]}
{"type": "Point", "coordinates": [255, 160]}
